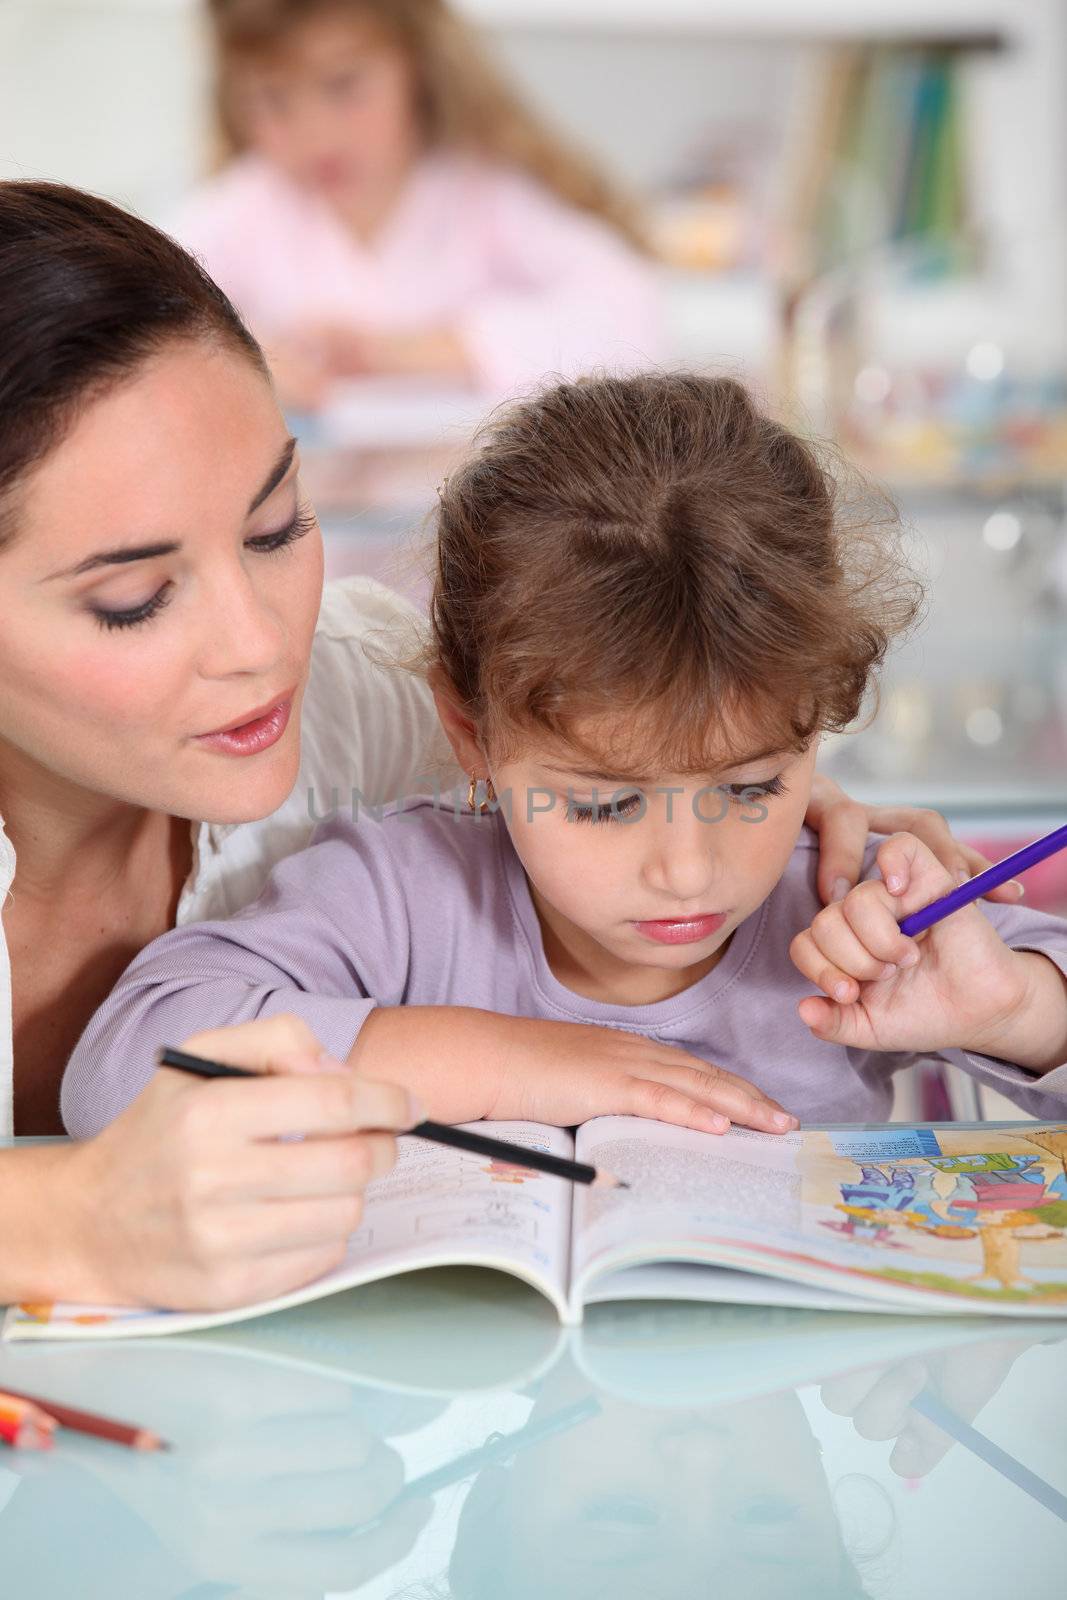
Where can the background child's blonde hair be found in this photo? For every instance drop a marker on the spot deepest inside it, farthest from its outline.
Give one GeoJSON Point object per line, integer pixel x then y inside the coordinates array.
{"type": "Point", "coordinates": [466, 102]}
{"type": "Point", "coordinates": [657, 552]}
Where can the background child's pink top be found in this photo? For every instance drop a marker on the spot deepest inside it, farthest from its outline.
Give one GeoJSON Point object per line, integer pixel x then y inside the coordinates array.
{"type": "Point", "coordinates": [533, 286]}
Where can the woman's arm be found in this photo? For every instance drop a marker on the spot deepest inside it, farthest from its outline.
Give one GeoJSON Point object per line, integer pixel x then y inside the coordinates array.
{"type": "Point", "coordinates": [189, 1200]}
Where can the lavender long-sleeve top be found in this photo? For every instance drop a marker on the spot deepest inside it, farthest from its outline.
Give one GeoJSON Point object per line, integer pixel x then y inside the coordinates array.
{"type": "Point", "coordinates": [424, 906]}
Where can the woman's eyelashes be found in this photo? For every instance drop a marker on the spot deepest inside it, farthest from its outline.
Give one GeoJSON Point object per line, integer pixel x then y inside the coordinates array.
{"type": "Point", "coordinates": [619, 807]}
{"type": "Point", "coordinates": [265, 544]}
{"type": "Point", "coordinates": [270, 543]}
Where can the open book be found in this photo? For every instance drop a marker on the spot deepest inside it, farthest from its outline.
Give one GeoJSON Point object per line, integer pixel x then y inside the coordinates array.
{"type": "Point", "coordinates": [932, 1218]}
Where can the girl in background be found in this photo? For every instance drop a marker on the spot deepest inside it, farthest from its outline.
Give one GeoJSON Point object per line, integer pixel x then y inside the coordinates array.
{"type": "Point", "coordinates": [390, 207]}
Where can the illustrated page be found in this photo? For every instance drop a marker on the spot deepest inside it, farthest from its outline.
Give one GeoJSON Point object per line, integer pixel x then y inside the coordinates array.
{"type": "Point", "coordinates": [975, 1216]}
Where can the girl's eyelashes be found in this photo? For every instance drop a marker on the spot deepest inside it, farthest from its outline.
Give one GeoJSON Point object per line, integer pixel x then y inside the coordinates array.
{"type": "Point", "coordinates": [613, 810]}
{"type": "Point", "coordinates": [740, 791]}
{"type": "Point", "coordinates": [617, 809]}
{"type": "Point", "coordinates": [263, 544]}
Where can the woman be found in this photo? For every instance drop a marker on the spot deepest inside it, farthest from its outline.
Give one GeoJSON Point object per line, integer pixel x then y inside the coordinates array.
{"type": "Point", "coordinates": [165, 636]}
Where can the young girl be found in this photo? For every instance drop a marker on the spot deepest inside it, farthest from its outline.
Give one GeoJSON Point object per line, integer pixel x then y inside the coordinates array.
{"type": "Point", "coordinates": [649, 603]}
{"type": "Point", "coordinates": [391, 207]}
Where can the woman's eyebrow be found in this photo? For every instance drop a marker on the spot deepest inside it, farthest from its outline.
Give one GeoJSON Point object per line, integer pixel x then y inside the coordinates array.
{"type": "Point", "coordinates": [146, 552]}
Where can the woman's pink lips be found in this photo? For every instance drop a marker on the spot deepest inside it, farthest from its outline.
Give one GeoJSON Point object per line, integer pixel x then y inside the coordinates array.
{"type": "Point", "coordinates": [682, 930]}
{"type": "Point", "coordinates": [252, 737]}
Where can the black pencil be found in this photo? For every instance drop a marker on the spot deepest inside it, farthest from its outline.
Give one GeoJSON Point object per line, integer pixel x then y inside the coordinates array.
{"type": "Point", "coordinates": [478, 1144]}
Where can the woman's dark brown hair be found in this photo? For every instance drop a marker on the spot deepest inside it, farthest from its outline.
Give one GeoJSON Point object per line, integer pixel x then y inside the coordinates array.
{"type": "Point", "coordinates": [656, 553]}
{"type": "Point", "coordinates": [87, 293]}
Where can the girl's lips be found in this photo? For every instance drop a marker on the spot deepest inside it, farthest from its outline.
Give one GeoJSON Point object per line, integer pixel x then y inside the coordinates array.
{"type": "Point", "coordinates": [682, 930]}
{"type": "Point", "coordinates": [254, 736]}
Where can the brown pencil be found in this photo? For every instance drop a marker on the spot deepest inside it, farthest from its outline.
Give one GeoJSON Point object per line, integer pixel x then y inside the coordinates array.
{"type": "Point", "coordinates": [99, 1427]}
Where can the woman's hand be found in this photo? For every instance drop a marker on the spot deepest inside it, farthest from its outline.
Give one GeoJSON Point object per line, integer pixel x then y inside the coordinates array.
{"type": "Point", "coordinates": [188, 1200]}
{"type": "Point", "coordinates": [466, 1064]}
{"type": "Point", "coordinates": [958, 985]}
{"type": "Point", "coordinates": [843, 825]}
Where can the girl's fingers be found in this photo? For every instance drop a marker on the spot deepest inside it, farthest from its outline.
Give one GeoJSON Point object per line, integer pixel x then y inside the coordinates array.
{"type": "Point", "coordinates": [974, 862]}
{"type": "Point", "coordinates": [726, 1097]}
{"type": "Point", "coordinates": [883, 1412]}
{"type": "Point", "coordinates": [812, 964]}
{"type": "Point", "coordinates": [876, 928]}
{"type": "Point", "coordinates": [834, 936]}
{"type": "Point", "coordinates": [661, 1103]}
{"type": "Point", "coordinates": [836, 1024]}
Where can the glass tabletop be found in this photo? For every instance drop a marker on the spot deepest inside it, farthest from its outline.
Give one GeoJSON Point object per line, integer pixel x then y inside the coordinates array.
{"type": "Point", "coordinates": [438, 1437]}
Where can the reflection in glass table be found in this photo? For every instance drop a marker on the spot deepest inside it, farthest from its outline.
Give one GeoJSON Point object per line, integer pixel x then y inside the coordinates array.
{"type": "Point", "coordinates": [439, 1438]}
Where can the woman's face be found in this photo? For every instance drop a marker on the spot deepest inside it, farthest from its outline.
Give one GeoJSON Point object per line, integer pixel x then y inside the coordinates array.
{"type": "Point", "coordinates": [163, 587]}
{"type": "Point", "coordinates": [334, 107]}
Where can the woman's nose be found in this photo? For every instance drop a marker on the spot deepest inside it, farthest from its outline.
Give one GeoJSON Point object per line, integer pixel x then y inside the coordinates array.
{"type": "Point", "coordinates": [246, 636]}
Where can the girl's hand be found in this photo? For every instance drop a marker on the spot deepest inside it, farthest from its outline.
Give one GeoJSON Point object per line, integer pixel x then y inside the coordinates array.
{"type": "Point", "coordinates": [954, 984]}
{"type": "Point", "coordinates": [188, 1200]}
{"type": "Point", "coordinates": [466, 1064]}
{"type": "Point", "coordinates": [843, 825]}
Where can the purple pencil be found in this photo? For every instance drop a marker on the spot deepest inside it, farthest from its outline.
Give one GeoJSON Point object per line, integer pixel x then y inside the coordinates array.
{"type": "Point", "coordinates": [975, 888]}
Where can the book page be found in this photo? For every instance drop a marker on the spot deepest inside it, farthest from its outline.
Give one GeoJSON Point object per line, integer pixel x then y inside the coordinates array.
{"type": "Point", "coordinates": [929, 1217]}
{"type": "Point", "coordinates": [438, 1206]}
{"type": "Point", "coordinates": [686, 1189]}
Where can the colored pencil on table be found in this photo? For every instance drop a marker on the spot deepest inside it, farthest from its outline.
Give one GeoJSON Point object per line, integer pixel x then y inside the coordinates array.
{"type": "Point", "coordinates": [88, 1422]}
{"type": "Point", "coordinates": [991, 878]}
{"type": "Point", "coordinates": [437, 1132]}
{"type": "Point", "coordinates": [25, 1424]}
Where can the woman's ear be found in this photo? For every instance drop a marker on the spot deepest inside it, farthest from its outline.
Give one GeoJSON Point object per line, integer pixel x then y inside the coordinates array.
{"type": "Point", "coordinates": [461, 731]}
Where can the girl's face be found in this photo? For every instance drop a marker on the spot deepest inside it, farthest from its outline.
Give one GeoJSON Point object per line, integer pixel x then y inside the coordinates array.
{"type": "Point", "coordinates": [641, 1501]}
{"type": "Point", "coordinates": [638, 898]}
{"type": "Point", "coordinates": [334, 107]}
{"type": "Point", "coordinates": [162, 587]}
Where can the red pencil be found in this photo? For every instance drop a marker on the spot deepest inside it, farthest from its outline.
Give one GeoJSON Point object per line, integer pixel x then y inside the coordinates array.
{"type": "Point", "coordinates": [88, 1422]}
{"type": "Point", "coordinates": [24, 1425]}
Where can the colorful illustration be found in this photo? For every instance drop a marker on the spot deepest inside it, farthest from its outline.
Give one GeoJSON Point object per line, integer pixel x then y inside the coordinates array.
{"type": "Point", "coordinates": [996, 1203]}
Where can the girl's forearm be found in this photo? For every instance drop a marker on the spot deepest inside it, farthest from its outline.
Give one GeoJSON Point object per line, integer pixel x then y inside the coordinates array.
{"type": "Point", "coordinates": [1034, 1036]}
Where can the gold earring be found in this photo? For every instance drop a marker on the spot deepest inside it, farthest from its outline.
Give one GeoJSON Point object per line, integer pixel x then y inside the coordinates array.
{"type": "Point", "coordinates": [473, 804]}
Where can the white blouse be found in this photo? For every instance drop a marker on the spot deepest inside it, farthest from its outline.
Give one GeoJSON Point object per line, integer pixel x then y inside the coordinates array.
{"type": "Point", "coordinates": [366, 726]}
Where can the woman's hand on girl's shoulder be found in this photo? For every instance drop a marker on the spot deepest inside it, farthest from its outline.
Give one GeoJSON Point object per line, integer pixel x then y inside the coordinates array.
{"type": "Point", "coordinates": [194, 1199]}
{"type": "Point", "coordinates": [843, 826]}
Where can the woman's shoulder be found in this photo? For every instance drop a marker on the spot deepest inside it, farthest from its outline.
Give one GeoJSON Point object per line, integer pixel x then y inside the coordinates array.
{"type": "Point", "coordinates": [368, 716]}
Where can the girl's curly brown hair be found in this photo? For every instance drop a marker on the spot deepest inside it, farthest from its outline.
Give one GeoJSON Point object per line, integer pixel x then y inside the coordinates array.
{"type": "Point", "coordinates": [657, 554]}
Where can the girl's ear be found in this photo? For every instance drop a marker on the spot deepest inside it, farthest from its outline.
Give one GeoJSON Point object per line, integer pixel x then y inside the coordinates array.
{"type": "Point", "coordinates": [461, 731]}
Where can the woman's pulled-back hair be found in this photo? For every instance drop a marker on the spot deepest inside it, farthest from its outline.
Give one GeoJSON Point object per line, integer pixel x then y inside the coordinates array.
{"type": "Point", "coordinates": [657, 552]}
{"type": "Point", "coordinates": [465, 101]}
{"type": "Point", "coordinates": [87, 293]}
